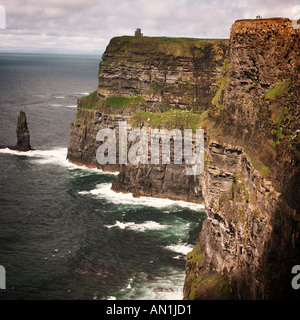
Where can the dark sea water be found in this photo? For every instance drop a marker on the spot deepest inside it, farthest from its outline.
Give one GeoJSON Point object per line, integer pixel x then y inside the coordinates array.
{"type": "Point", "coordinates": [63, 233]}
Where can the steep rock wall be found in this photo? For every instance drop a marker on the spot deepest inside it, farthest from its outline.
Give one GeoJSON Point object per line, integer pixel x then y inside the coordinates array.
{"type": "Point", "coordinates": [251, 235]}
{"type": "Point", "coordinates": [248, 103]}
{"type": "Point", "coordinates": [169, 76]}
{"type": "Point", "coordinates": [166, 72]}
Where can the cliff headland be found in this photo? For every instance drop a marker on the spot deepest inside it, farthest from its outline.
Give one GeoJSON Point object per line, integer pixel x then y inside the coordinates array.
{"type": "Point", "coordinates": [245, 93]}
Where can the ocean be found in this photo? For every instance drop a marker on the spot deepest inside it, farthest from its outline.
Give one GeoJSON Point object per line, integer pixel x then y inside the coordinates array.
{"type": "Point", "coordinates": [64, 234]}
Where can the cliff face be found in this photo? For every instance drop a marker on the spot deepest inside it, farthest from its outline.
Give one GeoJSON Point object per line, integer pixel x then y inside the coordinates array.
{"type": "Point", "coordinates": [251, 185]}
{"type": "Point", "coordinates": [246, 96]}
{"type": "Point", "coordinates": [166, 72]}
{"type": "Point", "coordinates": [173, 77]}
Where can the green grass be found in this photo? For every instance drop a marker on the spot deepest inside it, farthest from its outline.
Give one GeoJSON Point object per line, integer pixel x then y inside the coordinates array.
{"type": "Point", "coordinates": [118, 102]}
{"type": "Point", "coordinates": [169, 119]}
{"type": "Point", "coordinates": [89, 102]}
{"type": "Point", "coordinates": [278, 90]}
{"type": "Point", "coordinates": [195, 256]}
{"type": "Point", "coordinates": [258, 165]}
{"type": "Point", "coordinates": [218, 98]}
{"type": "Point", "coordinates": [187, 47]}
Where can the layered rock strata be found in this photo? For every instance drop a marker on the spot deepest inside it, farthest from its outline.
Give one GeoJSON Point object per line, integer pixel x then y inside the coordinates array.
{"type": "Point", "coordinates": [251, 185]}
{"type": "Point", "coordinates": [247, 99]}
{"type": "Point", "coordinates": [137, 77]}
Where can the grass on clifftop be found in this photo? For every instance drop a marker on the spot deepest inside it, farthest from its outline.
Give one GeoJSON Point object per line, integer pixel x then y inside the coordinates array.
{"type": "Point", "coordinates": [187, 47]}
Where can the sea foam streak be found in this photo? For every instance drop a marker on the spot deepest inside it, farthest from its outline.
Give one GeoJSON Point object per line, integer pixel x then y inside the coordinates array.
{"type": "Point", "coordinates": [167, 287]}
{"type": "Point", "coordinates": [104, 191]}
{"type": "Point", "coordinates": [147, 225]}
{"type": "Point", "coordinates": [181, 248]}
{"type": "Point", "coordinates": [59, 156]}
{"type": "Point", "coordinates": [56, 156]}
{"type": "Point", "coordinates": [82, 93]}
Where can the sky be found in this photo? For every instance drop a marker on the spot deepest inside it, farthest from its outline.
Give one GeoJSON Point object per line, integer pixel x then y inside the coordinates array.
{"type": "Point", "coordinates": [86, 26]}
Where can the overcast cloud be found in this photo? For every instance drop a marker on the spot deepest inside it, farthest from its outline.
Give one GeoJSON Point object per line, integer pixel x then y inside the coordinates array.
{"type": "Point", "coordinates": [87, 26]}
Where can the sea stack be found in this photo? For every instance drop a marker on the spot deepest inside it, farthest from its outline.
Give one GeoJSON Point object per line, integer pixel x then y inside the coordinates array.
{"type": "Point", "coordinates": [23, 136]}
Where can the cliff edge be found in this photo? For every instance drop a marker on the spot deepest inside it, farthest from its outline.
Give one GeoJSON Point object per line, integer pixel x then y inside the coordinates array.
{"type": "Point", "coordinates": [245, 94]}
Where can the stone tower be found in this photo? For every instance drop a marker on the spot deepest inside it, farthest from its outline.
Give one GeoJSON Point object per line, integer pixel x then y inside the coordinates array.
{"type": "Point", "coordinates": [138, 33]}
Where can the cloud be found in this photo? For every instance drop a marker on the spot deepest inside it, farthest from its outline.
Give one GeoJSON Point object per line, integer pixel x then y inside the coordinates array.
{"type": "Point", "coordinates": [87, 26]}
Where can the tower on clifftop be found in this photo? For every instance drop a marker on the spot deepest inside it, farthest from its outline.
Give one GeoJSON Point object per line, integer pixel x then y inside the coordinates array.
{"type": "Point", "coordinates": [138, 33]}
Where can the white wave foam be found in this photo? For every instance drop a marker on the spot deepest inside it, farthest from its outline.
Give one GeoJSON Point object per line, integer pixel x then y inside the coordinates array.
{"type": "Point", "coordinates": [83, 192]}
{"type": "Point", "coordinates": [147, 225]}
{"type": "Point", "coordinates": [59, 97]}
{"type": "Point", "coordinates": [83, 93]}
{"type": "Point", "coordinates": [56, 156]}
{"type": "Point", "coordinates": [181, 248]}
{"type": "Point", "coordinates": [104, 191]}
{"type": "Point", "coordinates": [120, 225]}
{"type": "Point", "coordinates": [167, 287]}
{"type": "Point", "coordinates": [55, 105]}
{"type": "Point", "coordinates": [74, 106]}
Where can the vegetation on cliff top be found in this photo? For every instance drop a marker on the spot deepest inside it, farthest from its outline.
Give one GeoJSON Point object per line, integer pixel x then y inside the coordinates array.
{"type": "Point", "coordinates": [186, 47]}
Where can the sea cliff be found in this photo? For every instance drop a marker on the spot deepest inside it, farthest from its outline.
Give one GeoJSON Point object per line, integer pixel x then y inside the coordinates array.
{"type": "Point", "coordinates": [245, 93]}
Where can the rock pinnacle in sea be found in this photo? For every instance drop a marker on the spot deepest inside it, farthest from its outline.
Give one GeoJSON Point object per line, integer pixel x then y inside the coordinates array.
{"type": "Point", "coordinates": [23, 136]}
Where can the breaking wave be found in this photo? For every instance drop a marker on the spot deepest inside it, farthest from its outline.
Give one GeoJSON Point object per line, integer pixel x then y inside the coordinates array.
{"type": "Point", "coordinates": [104, 190]}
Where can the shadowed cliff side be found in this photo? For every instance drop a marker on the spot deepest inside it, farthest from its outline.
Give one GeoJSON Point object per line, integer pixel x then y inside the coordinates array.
{"type": "Point", "coordinates": [251, 236]}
